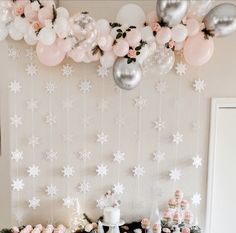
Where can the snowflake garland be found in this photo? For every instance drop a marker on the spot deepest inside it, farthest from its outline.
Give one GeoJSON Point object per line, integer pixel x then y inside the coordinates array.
{"type": "Point", "coordinates": [84, 155]}
{"type": "Point", "coordinates": [197, 161]}
{"type": "Point", "coordinates": [102, 71]}
{"type": "Point", "coordinates": [68, 202]}
{"type": "Point", "coordinates": [118, 188]}
{"type": "Point", "coordinates": [102, 170]}
{"type": "Point", "coordinates": [13, 53]}
{"type": "Point", "coordinates": [50, 119]}
{"type": "Point", "coordinates": [33, 171]}
{"type": "Point", "coordinates": [84, 187]}
{"type": "Point", "coordinates": [177, 138]}
{"type": "Point", "coordinates": [31, 70]}
{"type": "Point", "coordinates": [102, 203]}
{"type": "Point", "coordinates": [175, 174]}
{"type": "Point", "coordinates": [119, 156]}
{"type": "Point", "coordinates": [50, 88]}
{"type": "Point", "coordinates": [161, 86]}
{"type": "Point", "coordinates": [51, 190]}
{"type": "Point", "coordinates": [34, 203]}
{"type": "Point", "coordinates": [181, 68]}
{"type": "Point", "coordinates": [140, 102]}
{"type": "Point", "coordinates": [67, 71]}
{"type": "Point", "coordinates": [51, 155]}
{"type": "Point", "coordinates": [32, 104]}
{"type": "Point", "coordinates": [102, 138]}
{"type": "Point", "coordinates": [159, 156]}
{"type": "Point", "coordinates": [33, 141]}
{"type": "Point", "coordinates": [17, 185]}
{"type": "Point", "coordinates": [85, 86]}
{"type": "Point", "coordinates": [138, 171]}
{"type": "Point", "coordinates": [16, 121]}
{"type": "Point", "coordinates": [15, 87]}
{"type": "Point", "coordinates": [68, 104]}
{"type": "Point", "coordinates": [68, 171]}
{"type": "Point", "coordinates": [199, 85]}
{"type": "Point", "coordinates": [196, 199]}
{"type": "Point", "coordinates": [17, 155]}
{"type": "Point", "coordinates": [159, 125]}
{"type": "Point", "coordinates": [103, 105]}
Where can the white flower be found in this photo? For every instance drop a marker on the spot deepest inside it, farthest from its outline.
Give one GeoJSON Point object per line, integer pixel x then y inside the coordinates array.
{"type": "Point", "coordinates": [13, 53]}
{"type": "Point", "coordinates": [118, 188]}
{"type": "Point", "coordinates": [175, 174]}
{"type": "Point", "coordinates": [34, 203]}
{"type": "Point", "coordinates": [196, 199]}
{"type": "Point", "coordinates": [85, 155]}
{"type": "Point", "coordinates": [51, 190]}
{"type": "Point", "coordinates": [17, 184]}
{"type": "Point", "coordinates": [33, 141]}
{"type": "Point", "coordinates": [199, 85]}
{"type": "Point", "coordinates": [119, 156]}
{"type": "Point", "coordinates": [16, 121]}
{"type": "Point", "coordinates": [158, 156]}
{"type": "Point", "coordinates": [14, 87]}
{"type": "Point", "coordinates": [67, 71]}
{"type": "Point", "coordinates": [177, 138]}
{"type": "Point", "coordinates": [85, 86]}
{"type": "Point", "coordinates": [102, 71]}
{"type": "Point", "coordinates": [102, 203]}
{"type": "Point", "coordinates": [84, 187]}
{"type": "Point", "coordinates": [33, 171]}
{"type": "Point", "coordinates": [50, 87]}
{"type": "Point", "coordinates": [102, 170]}
{"type": "Point", "coordinates": [51, 155]}
{"type": "Point", "coordinates": [197, 161]}
{"type": "Point", "coordinates": [68, 202]}
{"type": "Point", "coordinates": [31, 70]}
{"type": "Point", "coordinates": [68, 171]}
{"type": "Point", "coordinates": [181, 68]}
{"type": "Point", "coordinates": [140, 102]}
{"type": "Point", "coordinates": [161, 86]}
{"type": "Point", "coordinates": [50, 119]}
{"type": "Point", "coordinates": [103, 105]}
{"type": "Point", "coordinates": [32, 104]}
{"type": "Point", "coordinates": [17, 155]}
{"type": "Point", "coordinates": [159, 125]}
{"type": "Point", "coordinates": [102, 138]}
{"type": "Point", "coordinates": [138, 171]}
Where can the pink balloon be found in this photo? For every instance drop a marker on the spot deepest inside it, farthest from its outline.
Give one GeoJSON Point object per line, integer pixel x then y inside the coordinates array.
{"type": "Point", "coordinates": [77, 54]}
{"type": "Point", "coordinates": [179, 33]}
{"type": "Point", "coordinates": [198, 50]}
{"type": "Point", "coordinates": [30, 15]}
{"type": "Point", "coordinates": [133, 37]}
{"type": "Point", "coordinates": [151, 17]}
{"type": "Point", "coordinates": [121, 48]}
{"type": "Point", "coordinates": [179, 46]}
{"type": "Point", "coordinates": [50, 55]}
{"type": "Point", "coordinates": [65, 44]}
{"type": "Point", "coordinates": [193, 26]}
{"type": "Point", "coordinates": [45, 13]}
{"type": "Point", "coordinates": [163, 35]}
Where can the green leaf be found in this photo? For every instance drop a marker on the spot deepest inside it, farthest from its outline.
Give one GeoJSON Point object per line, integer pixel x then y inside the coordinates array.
{"type": "Point", "coordinates": [124, 34]}
{"type": "Point", "coordinates": [119, 35]}
{"type": "Point", "coordinates": [119, 30]}
{"type": "Point", "coordinates": [132, 27]}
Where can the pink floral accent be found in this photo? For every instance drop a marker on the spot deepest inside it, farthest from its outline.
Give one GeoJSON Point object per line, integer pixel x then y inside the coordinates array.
{"type": "Point", "coordinates": [145, 223]}
{"type": "Point", "coordinates": [185, 230]}
{"type": "Point", "coordinates": [36, 25]}
{"type": "Point", "coordinates": [171, 44]}
{"type": "Point", "coordinates": [155, 26]}
{"type": "Point", "coordinates": [156, 227]}
{"type": "Point", "coordinates": [172, 203]}
{"type": "Point", "coordinates": [19, 10]}
{"type": "Point", "coordinates": [15, 230]}
{"type": "Point", "coordinates": [132, 53]}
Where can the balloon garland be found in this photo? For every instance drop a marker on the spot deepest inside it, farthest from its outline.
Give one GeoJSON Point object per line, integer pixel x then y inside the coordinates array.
{"type": "Point", "coordinates": [125, 45]}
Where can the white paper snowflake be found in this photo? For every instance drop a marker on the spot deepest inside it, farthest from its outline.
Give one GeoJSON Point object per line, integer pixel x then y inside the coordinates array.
{"type": "Point", "coordinates": [138, 171]}
{"type": "Point", "coordinates": [30, 53]}
{"type": "Point", "coordinates": [17, 155]}
{"type": "Point", "coordinates": [34, 203]}
{"type": "Point", "coordinates": [68, 202]}
{"type": "Point", "coordinates": [103, 105]}
{"type": "Point", "coordinates": [102, 71]}
{"type": "Point", "coordinates": [197, 161]}
{"type": "Point", "coordinates": [84, 187]}
{"type": "Point", "coordinates": [50, 119]}
{"type": "Point", "coordinates": [17, 185]}
{"type": "Point", "coordinates": [118, 188]}
{"type": "Point", "coordinates": [102, 138]}
{"type": "Point", "coordinates": [68, 138]}
{"type": "Point", "coordinates": [102, 203]}
{"type": "Point", "coordinates": [33, 141]}
{"type": "Point", "coordinates": [51, 190]}
{"type": "Point", "coordinates": [102, 170]}
{"type": "Point", "coordinates": [32, 104]}
{"type": "Point", "coordinates": [14, 87]}
{"type": "Point", "coordinates": [68, 104]}
{"type": "Point", "coordinates": [50, 87]}
{"type": "Point", "coordinates": [68, 171]}
{"type": "Point", "coordinates": [159, 156]}
{"type": "Point", "coordinates": [199, 85]}
{"type": "Point", "coordinates": [16, 121]}
{"type": "Point", "coordinates": [33, 171]}
{"type": "Point", "coordinates": [85, 86]}
{"type": "Point", "coordinates": [84, 155]}
{"type": "Point", "coordinates": [159, 125]}
{"type": "Point", "coordinates": [175, 174]}
{"type": "Point", "coordinates": [13, 53]}
{"type": "Point", "coordinates": [67, 71]}
{"type": "Point", "coordinates": [31, 70]}
{"type": "Point", "coordinates": [180, 68]}
{"type": "Point", "coordinates": [161, 86]}
{"type": "Point", "coordinates": [140, 102]}
{"type": "Point", "coordinates": [196, 199]}
{"type": "Point", "coordinates": [51, 155]}
{"type": "Point", "coordinates": [119, 156]}
{"type": "Point", "coordinates": [177, 138]}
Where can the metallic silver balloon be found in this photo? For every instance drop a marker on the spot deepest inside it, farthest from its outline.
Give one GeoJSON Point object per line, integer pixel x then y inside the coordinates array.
{"type": "Point", "coordinates": [127, 76]}
{"type": "Point", "coordinates": [221, 20]}
{"type": "Point", "coordinates": [171, 12]}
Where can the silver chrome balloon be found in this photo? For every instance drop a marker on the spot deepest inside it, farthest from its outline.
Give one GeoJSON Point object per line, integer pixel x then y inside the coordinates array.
{"type": "Point", "coordinates": [171, 12]}
{"type": "Point", "coordinates": [127, 76]}
{"type": "Point", "coordinates": [221, 20]}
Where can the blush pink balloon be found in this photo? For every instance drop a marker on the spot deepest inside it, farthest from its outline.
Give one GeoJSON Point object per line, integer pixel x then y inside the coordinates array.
{"type": "Point", "coordinates": [193, 26]}
{"type": "Point", "coordinates": [30, 14]}
{"type": "Point", "coordinates": [179, 46]}
{"type": "Point", "coordinates": [65, 44]}
{"type": "Point", "coordinates": [198, 50]}
{"type": "Point", "coordinates": [45, 13]}
{"type": "Point", "coordinates": [77, 54]}
{"type": "Point", "coordinates": [121, 48]}
{"type": "Point", "coordinates": [163, 35]}
{"type": "Point", "coordinates": [151, 17]}
{"type": "Point", "coordinates": [133, 37]}
{"type": "Point", "coordinates": [50, 55]}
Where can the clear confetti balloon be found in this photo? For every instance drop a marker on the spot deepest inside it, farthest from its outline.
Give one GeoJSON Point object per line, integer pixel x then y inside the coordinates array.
{"type": "Point", "coordinates": [199, 8]}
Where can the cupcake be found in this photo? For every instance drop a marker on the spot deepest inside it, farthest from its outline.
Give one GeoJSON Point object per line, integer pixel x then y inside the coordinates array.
{"type": "Point", "coordinates": [184, 205]}
{"type": "Point", "coordinates": [167, 215]}
{"type": "Point", "coordinates": [179, 196]}
{"type": "Point", "coordinates": [188, 217]}
{"type": "Point", "coordinates": [172, 203]}
{"type": "Point", "coordinates": [177, 218]}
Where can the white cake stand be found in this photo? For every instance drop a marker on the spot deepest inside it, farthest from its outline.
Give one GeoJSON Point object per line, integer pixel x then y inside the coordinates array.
{"type": "Point", "coordinates": [114, 228]}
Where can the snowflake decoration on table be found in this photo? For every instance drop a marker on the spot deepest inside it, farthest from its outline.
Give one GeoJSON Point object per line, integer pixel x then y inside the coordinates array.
{"type": "Point", "coordinates": [13, 53]}
{"type": "Point", "coordinates": [68, 138]}
{"type": "Point", "coordinates": [102, 203]}
{"type": "Point", "coordinates": [103, 105]}
{"type": "Point", "coordinates": [175, 174]}
{"type": "Point", "coordinates": [17, 185]}
{"type": "Point", "coordinates": [33, 171]}
{"type": "Point", "coordinates": [51, 155]}
{"type": "Point", "coordinates": [51, 190]}
{"type": "Point", "coordinates": [118, 188]}
{"type": "Point", "coordinates": [102, 170]}
{"type": "Point", "coordinates": [32, 104]}
{"type": "Point", "coordinates": [161, 86]}
{"type": "Point", "coordinates": [17, 155]}
{"type": "Point", "coordinates": [30, 53]}
{"type": "Point", "coordinates": [16, 121]}
{"type": "Point", "coordinates": [68, 171]}
{"type": "Point", "coordinates": [119, 156]}
{"type": "Point", "coordinates": [102, 71]}
{"type": "Point", "coordinates": [84, 155]}
{"type": "Point", "coordinates": [102, 138]}
{"type": "Point", "coordinates": [33, 141]}
{"type": "Point", "coordinates": [50, 119]}
{"type": "Point", "coordinates": [159, 156]}
{"type": "Point", "coordinates": [50, 87]}
{"type": "Point", "coordinates": [19, 217]}
{"type": "Point", "coordinates": [14, 87]}
{"type": "Point", "coordinates": [199, 85]}
{"type": "Point", "coordinates": [177, 138]}
{"type": "Point", "coordinates": [159, 125]}
{"type": "Point", "coordinates": [34, 203]}
{"type": "Point", "coordinates": [31, 70]}
{"type": "Point", "coordinates": [197, 161]}
{"type": "Point", "coordinates": [68, 202]}
{"type": "Point", "coordinates": [67, 70]}
{"type": "Point", "coordinates": [181, 68]}
{"type": "Point", "coordinates": [85, 86]}
{"type": "Point", "coordinates": [138, 171]}
{"type": "Point", "coordinates": [196, 199]}
{"type": "Point", "coordinates": [140, 102]}
{"type": "Point", "coordinates": [67, 104]}
{"type": "Point", "coordinates": [84, 187]}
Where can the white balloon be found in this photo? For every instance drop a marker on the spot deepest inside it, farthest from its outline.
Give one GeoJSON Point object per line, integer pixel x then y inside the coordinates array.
{"type": "Point", "coordinates": [131, 14]}
{"type": "Point", "coordinates": [199, 8]}
{"type": "Point", "coordinates": [63, 12]}
{"type": "Point", "coordinates": [47, 36]}
{"type": "Point", "coordinates": [62, 27]}
{"type": "Point", "coordinates": [3, 32]}
{"type": "Point", "coordinates": [108, 59]}
{"type": "Point", "coordinates": [147, 34]}
{"type": "Point", "coordinates": [30, 37]}
{"type": "Point", "coordinates": [21, 24]}
{"type": "Point", "coordinates": [144, 53]}
{"type": "Point", "coordinates": [14, 33]}
{"type": "Point", "coordinates": [103, 27]}
{"type": "Point", "coordinates": [179, 33]}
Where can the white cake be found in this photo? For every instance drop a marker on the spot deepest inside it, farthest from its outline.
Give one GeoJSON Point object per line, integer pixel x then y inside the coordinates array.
{"type": "Point", "coordinates": [111, 215]}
